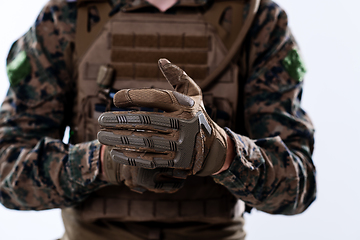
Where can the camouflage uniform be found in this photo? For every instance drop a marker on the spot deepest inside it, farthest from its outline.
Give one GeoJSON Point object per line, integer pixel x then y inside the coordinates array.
{"type": "Point", "coordinates": [272, 171]}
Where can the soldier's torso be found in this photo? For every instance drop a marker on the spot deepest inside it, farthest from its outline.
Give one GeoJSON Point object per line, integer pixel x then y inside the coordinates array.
{"type": "Point", "coordinates": [128, 47]}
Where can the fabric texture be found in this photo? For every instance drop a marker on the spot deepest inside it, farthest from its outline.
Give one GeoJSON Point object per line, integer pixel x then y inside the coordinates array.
{"type": "Point", "coordinates": [273, 169]}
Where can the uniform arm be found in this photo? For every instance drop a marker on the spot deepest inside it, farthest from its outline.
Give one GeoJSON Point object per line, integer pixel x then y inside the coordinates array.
{"type": "Point", "coordinates": [37, 170]}
{"type": "Point", "coordinates": [273, 170]}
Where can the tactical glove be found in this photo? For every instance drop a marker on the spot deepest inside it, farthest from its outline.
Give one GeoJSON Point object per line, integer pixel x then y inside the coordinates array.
{"type": "Point", "coordinates": [139, 179]}
{"type": "Point", "coordinates": [182, 137]}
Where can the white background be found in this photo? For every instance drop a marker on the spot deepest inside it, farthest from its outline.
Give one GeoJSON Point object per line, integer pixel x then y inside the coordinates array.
{"type": "Point", "coordinates": [328, 34]}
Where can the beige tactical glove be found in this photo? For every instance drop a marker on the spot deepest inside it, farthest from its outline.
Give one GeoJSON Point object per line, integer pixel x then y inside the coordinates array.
{"type": "Point", "coordinates": [139, 179]}
{"type": "Point", "coordinates": [182, 137]}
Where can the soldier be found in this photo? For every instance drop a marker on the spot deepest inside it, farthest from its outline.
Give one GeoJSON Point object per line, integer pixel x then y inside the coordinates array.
{"type": "Point", "coordinates": [189, 168]}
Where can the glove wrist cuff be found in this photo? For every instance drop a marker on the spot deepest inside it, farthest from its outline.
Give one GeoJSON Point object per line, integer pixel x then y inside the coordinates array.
{"type": "Point", "coordinates": [216, 156]}
{"type": "Point", "coordinates": [111, 169]}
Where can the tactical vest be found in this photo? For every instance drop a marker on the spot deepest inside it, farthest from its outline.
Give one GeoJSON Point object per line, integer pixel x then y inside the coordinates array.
{"type": "Point", "coordinates": [128, 46]}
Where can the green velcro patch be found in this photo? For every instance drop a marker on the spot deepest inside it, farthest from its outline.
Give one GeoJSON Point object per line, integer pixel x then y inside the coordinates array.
{"type": "Point", "coordinates": [18, 69]}
{"type": "Point", "coordinates": [294, 65]}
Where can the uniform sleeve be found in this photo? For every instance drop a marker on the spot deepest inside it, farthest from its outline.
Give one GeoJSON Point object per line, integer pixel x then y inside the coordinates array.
{"type": "Point", "coordinates": [273, 169]}
{"type": "Point", "coordinates": [37, 170]}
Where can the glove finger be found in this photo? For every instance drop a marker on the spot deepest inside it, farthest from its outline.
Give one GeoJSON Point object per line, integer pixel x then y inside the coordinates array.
{"type": "Point", "coordinates": [143, 159]}
{"type": "Point", "coordinates": [165, 100]}
{"type": "Point", "coordinates": [142, 141]}
{"type": "Point", "coordinates": [151, 121]}
{"type": "Point", "coordinates": [178, 78]}
{"type": "Point", "coordinates": [139, 120]}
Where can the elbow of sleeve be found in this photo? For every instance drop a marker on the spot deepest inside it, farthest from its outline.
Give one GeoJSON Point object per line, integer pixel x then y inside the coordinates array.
{"type": "Point", "coordinates": [307, 187]}
{"type": "Point", "coordinates": [16, 198]}
{"type": "Point", "coordinates": [305, 191]}
{"type": "Point", "coordinates": [309, 193]}
{"type": "Point", "coordinates": [305, 196]}
{"type": "Point", "coordinates": [6, 200]}
{"type": "Point", "coordinates": [294, 194]}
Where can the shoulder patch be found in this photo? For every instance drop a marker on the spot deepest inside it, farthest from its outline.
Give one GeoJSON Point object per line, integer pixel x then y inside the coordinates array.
{"type": "Point", "coordinates": [18, 69]}
{"type": "Point", "coordinates": [294, 65]}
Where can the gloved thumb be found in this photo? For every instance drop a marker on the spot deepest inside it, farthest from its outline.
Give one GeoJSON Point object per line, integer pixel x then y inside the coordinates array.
{"type": "Point", "coordinates": [181, 82]}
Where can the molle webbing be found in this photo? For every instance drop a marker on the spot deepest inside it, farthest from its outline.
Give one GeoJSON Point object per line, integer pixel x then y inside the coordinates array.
{"type": "Point", "coordinates": [160, 41]}
{"type": "Point", "coordinates": [211, 210]}
{"type": "Point", "coordinates": [232, 37]}
{"type": "Point", "coordinates": [181, 49]}
{"type": "Point", "coordinates": [143, 51]}
{"type": "Point", "coordinates": [144, 72]}
{"type": "Point", "coordinates": [148, 56]}
{"type": "Point", "coordinates": [200, 200]}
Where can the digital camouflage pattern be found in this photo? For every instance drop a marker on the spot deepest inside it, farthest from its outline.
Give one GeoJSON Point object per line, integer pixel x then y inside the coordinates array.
{"type": "Point", "coordinates": [273, 169]}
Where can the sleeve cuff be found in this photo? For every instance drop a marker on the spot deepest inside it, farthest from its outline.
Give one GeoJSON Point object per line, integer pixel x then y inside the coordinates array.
{"type": "Point", "coordinates": [245, 166]}
{"type": "Point", "coordinates": [84, 165]}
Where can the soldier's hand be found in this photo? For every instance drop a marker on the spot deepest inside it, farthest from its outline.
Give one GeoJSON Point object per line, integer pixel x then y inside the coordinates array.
{"type": "Point", "coordinates": [139, 179]}
{"type": "Point", "coordinates": [182, 137]}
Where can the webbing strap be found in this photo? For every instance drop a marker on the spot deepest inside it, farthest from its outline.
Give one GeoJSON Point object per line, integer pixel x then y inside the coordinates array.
{"type": "Point", "coordinates": [160, 210]}
{"type": "Point", "coordinates": [146, 56]}
{"type": "Point", "coordinates": [146, 71]}
{"type": "Point", "coordinates": [159, 41]}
